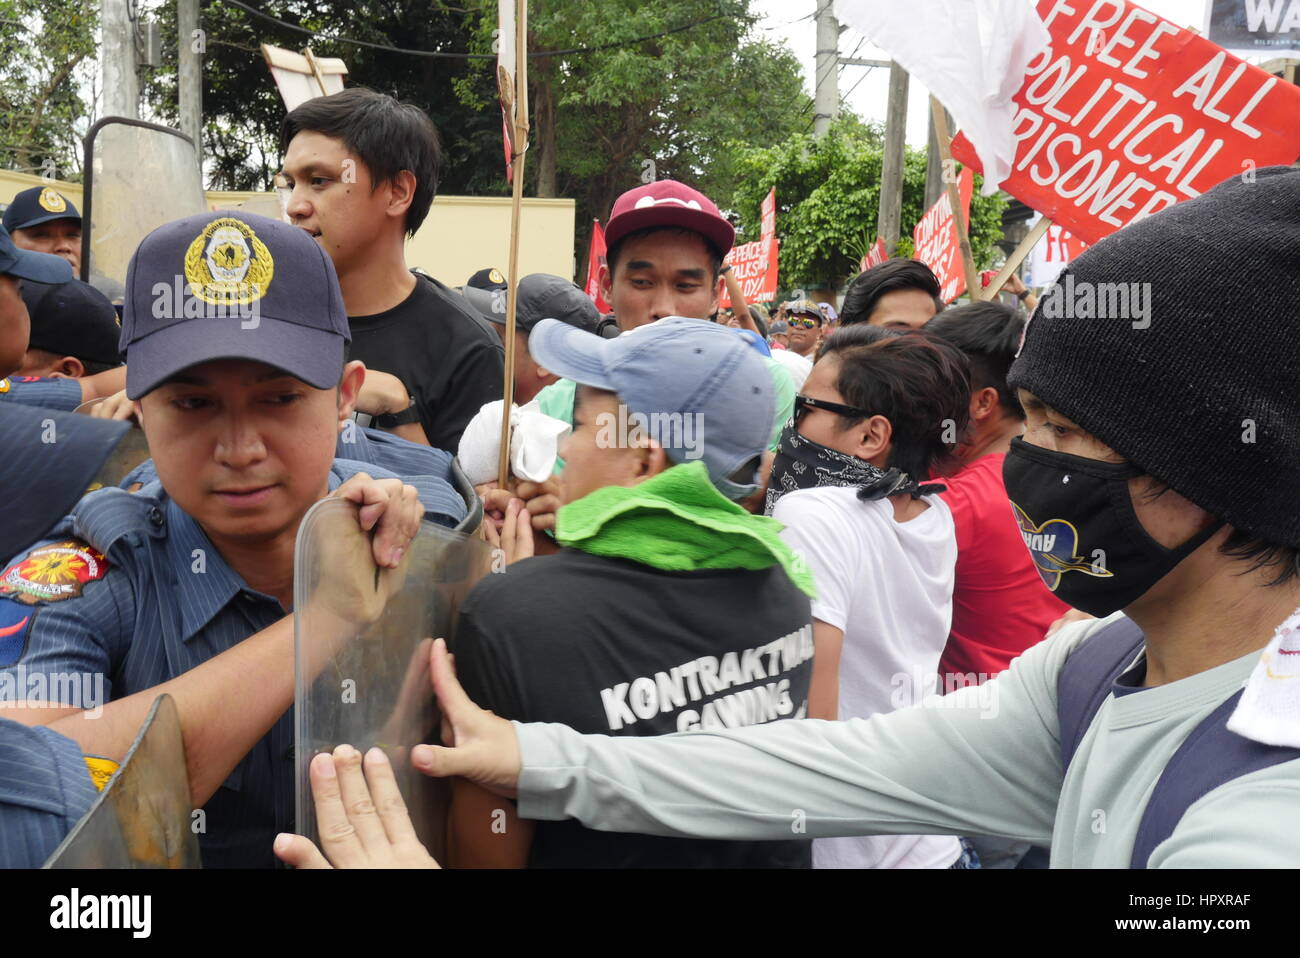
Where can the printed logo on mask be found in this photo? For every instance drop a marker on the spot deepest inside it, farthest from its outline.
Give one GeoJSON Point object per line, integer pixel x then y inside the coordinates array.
{"type": "Point", "coordinates": [1054, 546]}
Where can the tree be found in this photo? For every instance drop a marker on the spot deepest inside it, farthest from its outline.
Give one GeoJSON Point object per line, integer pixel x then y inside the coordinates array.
{"type": "Point", "coordinates": [828, 197]}
{"type": "Point", "coordinates": [42, 114]}
{"type": "Point", "coordinates": [673, 89]}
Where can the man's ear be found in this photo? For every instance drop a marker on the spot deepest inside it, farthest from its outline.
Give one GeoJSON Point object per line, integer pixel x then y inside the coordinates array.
{"type": "Point", "coordinates": [401, 191]}
{"type": "Point", "coordinates": [605, 281]}
{"type": "Point", "coordinates": [983, 403]}
{"type": "Point", "coordinates": [354, 376]}
{"type": "Point", "coordinates": [874, 436]}
{"type": "Point", "coordinates": [718, 287]}
{"type": "Point", "coordinates": [651, 460]}
{"type": "Point", "coordinates": [69, 367]}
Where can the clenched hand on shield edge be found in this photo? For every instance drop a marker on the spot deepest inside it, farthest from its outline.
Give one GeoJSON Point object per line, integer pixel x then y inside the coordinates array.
{"type": "Point", "coordinates": [363, 819]}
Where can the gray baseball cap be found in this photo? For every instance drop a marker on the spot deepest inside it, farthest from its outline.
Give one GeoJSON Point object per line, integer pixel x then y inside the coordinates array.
{"type": "Point", "coordinates": [704, 392]}
{"type": "Point", "coordinates": [541, 296]}
{"type": "Point", "coordinates": [232, 285]}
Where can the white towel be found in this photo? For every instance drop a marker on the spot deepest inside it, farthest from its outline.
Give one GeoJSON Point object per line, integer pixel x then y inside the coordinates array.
{"type": "Point", "coordinates": [1269, 710]}
{"type": "Point", "coordinates": [534, 443]}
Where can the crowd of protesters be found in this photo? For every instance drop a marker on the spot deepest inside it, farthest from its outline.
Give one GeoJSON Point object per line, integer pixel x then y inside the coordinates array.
{"type": "Point", "coordinates": [902, 585]}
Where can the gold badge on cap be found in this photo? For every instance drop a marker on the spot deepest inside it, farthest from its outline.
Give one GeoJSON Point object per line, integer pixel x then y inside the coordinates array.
{"type": "Point", "coordinates": [496, 277]}
{"type": "Point", "coordinates": [51, 202]}
{"type": "Point", "coordinates": [228, 264]}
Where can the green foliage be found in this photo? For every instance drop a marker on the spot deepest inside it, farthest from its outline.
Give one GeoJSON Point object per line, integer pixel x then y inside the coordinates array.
{"type": "Point", "coordinates": [828, 198]}
{"type": "Point", "coordinates": [42, 114]}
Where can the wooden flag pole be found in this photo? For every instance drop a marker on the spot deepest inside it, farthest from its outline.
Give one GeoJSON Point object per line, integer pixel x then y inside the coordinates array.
{"type": "Point", "coordinates": [1017, 257]}
{"type": "Point", "coordinates": [954, 195]}
{"type": "Point", "coordinates": [519, 144]}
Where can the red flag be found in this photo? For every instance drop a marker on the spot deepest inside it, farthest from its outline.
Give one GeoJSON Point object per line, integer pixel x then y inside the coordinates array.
{"type": "Point", "coordinates": [595, 260]}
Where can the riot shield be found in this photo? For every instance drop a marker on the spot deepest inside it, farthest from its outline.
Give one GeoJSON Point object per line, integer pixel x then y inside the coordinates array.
{"type": "Point", "coordinates": [369, 685]}
{"type": "Point", "coordinates": [142, 817]}
{"type": "Point", "coordinates": [138, 176]}
{"type": "Point", "coordinates": [132, 450]}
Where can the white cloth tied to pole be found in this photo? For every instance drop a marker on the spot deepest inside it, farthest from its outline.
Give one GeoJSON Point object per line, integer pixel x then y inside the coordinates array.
{"type": "Point", "coordinates": [1269, 709]}
{"type": "Point", "coordinates": [971, 54]}
{"type": "Point", "coordinates": [534, 443]}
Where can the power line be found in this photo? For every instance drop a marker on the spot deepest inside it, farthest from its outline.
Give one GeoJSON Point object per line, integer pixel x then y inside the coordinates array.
{"type": "Point", "coordinates": [438, 54]}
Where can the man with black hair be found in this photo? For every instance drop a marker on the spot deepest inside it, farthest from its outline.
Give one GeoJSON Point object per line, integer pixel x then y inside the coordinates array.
{"type": "Point", "coordinates": [74, 331]}
{"type": "Point", "coordinates": [1000, 605]}
{"type": "Point", "coordinates": [901, 293]}
{"type": "Point", "coordinates": [363, 169]}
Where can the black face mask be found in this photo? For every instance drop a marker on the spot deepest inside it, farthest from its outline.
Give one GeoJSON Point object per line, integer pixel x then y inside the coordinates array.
{"type": "Point", "coordinates": [801, 463]}
{"type": "Point", "coordinates": [1077, 519]}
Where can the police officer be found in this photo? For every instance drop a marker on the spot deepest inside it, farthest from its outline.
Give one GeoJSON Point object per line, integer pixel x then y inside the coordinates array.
{"type": "Point", "coordinates": [45, 221]}
{"type": "Point", "coordinates": [45, 786]}
{"type": "Point", "coordinates": [235, 336]}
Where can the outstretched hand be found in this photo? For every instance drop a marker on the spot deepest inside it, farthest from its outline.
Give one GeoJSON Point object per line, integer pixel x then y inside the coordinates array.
{"type": "Point", "coordinates": [478, 745]}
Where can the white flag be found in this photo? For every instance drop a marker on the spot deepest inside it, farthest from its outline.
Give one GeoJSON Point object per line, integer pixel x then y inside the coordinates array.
{"type": "Point", "coordinates": [971, 54]}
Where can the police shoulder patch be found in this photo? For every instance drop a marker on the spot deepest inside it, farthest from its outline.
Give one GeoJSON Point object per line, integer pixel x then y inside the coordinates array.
{"type": "Point", "coordinates": [15, 626]}
{"type": "Point", "coordinates": [52, 573]}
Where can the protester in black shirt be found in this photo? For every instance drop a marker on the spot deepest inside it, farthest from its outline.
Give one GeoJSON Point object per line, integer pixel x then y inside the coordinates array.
{"type": "Point", "coordinates": [669, 608]}
{"type": "Point", "coordinates": [363, 169]}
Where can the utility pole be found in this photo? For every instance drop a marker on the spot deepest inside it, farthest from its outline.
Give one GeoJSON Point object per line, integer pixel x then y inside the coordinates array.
{"type": "Point", "coordinates": [826, 91]}
{"type": "Point", "coordinates": [189, 71]}
{"type": "Point", "coordinates": [934, 169]}
{"type": "Point", "coordinates": [891, 174]}
{"type": "Point", "coordinates": [121, 88]}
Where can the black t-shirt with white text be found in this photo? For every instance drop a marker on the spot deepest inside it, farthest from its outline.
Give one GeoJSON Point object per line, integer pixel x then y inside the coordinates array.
{"type": "Point", "coordinates": [449, 359]}
{"type": "Point", "coordinates": [619, 648]}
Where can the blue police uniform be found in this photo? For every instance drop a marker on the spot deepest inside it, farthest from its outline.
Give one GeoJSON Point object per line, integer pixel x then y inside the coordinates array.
{"type": "Point", "coordinates": [45, 788]}
{"type": "Point", "coordinates": [52, 392]}
{"type": "Point", "coordinates": [136, 602]}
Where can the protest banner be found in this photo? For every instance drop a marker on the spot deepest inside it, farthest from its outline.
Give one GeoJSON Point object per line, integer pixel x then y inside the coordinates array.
{"type": "Point", "coordinates": [875, 256]}
{"type": "Point", "coordinates": [936, 243]}
{"type": "Point", "coordinates": [1127, 113]}
{"type": "Point", "coordinates": [595, 260]}
{"type": "Point", "coordinates": [1050, 255]}
{"type": "Point", "coordinates": [754, 265]}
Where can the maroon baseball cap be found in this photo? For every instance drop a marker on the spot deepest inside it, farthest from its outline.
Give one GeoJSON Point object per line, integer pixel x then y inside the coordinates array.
{"type": "Point", "coordinates": [669, 203]}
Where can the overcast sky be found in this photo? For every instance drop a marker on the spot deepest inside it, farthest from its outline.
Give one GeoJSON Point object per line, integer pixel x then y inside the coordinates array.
{"type": "Point", "coordinates": [866, 90]}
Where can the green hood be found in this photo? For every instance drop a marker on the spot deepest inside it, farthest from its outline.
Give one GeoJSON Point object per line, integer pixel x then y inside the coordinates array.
{"type": "Point", "coordinates": [678, 521]}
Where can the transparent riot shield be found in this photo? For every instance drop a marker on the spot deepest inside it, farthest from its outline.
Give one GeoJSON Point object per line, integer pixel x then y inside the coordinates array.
{"type": "Point", "coordinates": [138, 176]}
{"type": "Point", "coordinates": [142, 817]}
{"type": "Point", "coordinates": [132, 450]}
{"type": "Point", "coordinates": [368, 685]}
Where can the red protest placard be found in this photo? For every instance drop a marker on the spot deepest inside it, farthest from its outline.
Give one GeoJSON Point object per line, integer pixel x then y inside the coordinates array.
{"type": "Point", "coordinates": [875, 256]}
{"type": "Point", "coordinates": [595, 260]}
{"type": "Point", "coordinates": [935, 240]}
{"type": "Point", "coordinates": [1127, 113]}
{"type": "Point", "coordinates": [755, 264]}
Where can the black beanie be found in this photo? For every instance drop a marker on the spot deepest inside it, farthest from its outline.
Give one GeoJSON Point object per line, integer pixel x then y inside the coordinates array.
{"type": "Point", "coordinates": [1176, 341]}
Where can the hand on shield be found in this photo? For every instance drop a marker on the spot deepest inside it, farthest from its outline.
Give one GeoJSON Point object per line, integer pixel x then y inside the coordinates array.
{"type": "Point", "coordinates": [362, 819]}
{"type": "Point", "coordinates": [116, 406]}
{"type": "Point", "coordinates": [365, 564]}
{"type": "Point", "coordinates": [484, 749]}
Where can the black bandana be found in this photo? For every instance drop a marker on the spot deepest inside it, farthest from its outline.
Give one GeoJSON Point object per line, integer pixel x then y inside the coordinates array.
{"type": "Point", "coordinates": [803, 464]}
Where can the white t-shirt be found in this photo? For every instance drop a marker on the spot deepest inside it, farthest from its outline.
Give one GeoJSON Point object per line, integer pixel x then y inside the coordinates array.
{"type": "Point", "coordinates": [888, 586]}
{"type": "Point", "coordinates": [799, 367]}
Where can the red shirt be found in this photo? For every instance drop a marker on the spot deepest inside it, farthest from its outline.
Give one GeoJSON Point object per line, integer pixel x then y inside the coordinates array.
{"type": "Point", "coordinates": [1000, 605]}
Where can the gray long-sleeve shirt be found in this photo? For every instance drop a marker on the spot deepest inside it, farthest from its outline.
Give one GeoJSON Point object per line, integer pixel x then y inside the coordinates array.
{"type": "Point", "coordinates": [982, 760]}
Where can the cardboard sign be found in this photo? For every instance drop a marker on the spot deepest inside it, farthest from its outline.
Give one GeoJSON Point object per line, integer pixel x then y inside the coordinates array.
{"type": "Point", "coordinates": [875, 256]}
{"type": "Point", "coordinates": [755, 264]}
{"type": "Point", "coordinates": [1126, 114]}
{"type": "Point", "coordinates": [935, 240]}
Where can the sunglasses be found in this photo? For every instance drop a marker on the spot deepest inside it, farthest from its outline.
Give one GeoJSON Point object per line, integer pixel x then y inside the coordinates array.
{"type": "Point", "coordinates": [803, 322]}
{"type": "Point", "coordinates": [803, 403]}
